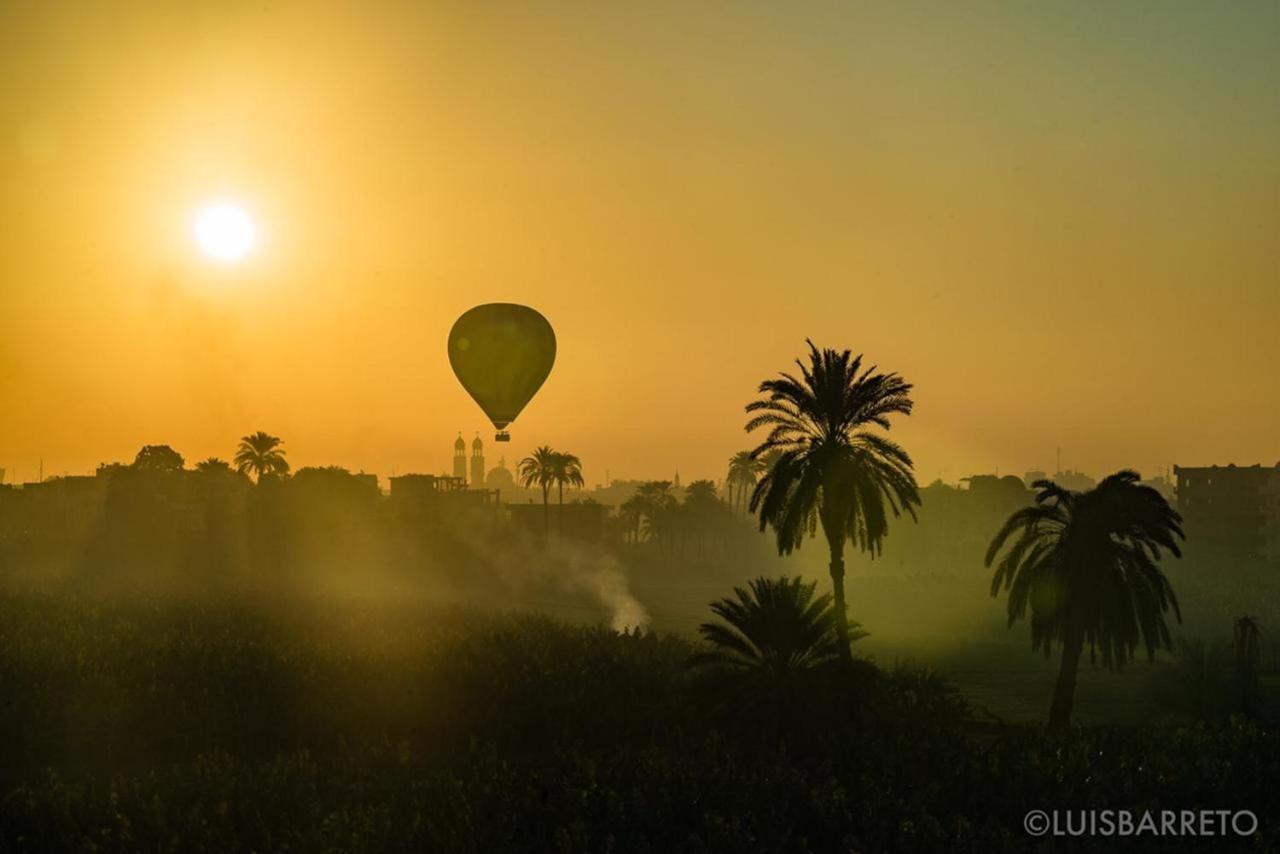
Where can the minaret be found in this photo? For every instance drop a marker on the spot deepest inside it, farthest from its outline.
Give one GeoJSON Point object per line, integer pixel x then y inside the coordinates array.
{"type": "Point", "coordinates": [477, 462]}
{"type": "Point", "coordinates": [460, 458]}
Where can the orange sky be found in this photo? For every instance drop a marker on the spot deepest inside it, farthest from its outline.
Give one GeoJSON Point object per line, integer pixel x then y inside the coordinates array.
{"type": "Point", "coordinates": [1059, 222]}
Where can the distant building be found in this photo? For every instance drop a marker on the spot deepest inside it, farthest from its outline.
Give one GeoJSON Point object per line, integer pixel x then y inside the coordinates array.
{"type": "Point", "coordinates": [1032, 477]}
{"type": "Point", "coordinates": [1231, 513]}
{"type": "Point", "coordinates": [408, 487]}
{"type": "Point", "coordinates": [500, 478]}
{"type": "Point", "coordinates": [955, 525]}
{"type": "Point", "coordinates": [477, 463]}
{"type": "Point", "coordinates": [1076, 481]}
{"type": "Point", "coordinates": [998, 489]}
{"type": "Point", "coordinates": [460, 459]}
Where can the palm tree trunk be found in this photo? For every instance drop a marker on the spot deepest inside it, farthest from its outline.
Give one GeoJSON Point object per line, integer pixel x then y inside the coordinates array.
{"type": "Point", "coordinates": [560, 502]}
{"type": "Point", "coordinates": [837, 587]}
{"type": "Point", "coordinates": [546, 512]}
{"type": "Point", "coordinates": [1064, 692]}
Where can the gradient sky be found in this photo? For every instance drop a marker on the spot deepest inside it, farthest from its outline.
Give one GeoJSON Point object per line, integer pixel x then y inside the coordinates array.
{"type": "Point", "coordinates": [1060, 221]}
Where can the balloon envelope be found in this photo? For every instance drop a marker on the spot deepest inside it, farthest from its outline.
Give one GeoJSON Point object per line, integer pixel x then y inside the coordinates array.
{"type": "Point", "coordinates": [502, 353]}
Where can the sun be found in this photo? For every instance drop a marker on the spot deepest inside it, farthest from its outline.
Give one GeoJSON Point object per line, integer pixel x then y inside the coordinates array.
{"type": "Point", "coordinates": [224, 231]}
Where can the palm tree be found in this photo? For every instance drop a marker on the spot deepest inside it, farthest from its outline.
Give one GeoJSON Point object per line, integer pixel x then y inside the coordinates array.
{"type": "Point", "coordinates": [1247, 639]}
{"type": "Point", "coordinates": [566, 469]}
{"type": "Point", "coordinates": [774, 643]}
{"type": "Point", "coordinates": [1086, 564]}
{"type": "Point", "coordinates": [744, 471]}
{"type": "Point", "coordinates": [773, 629]}
{"type": "Point", "coordinates": [830, 467]}
{"type": "Point", "coordinates": [702, 510]}
{"type": "Point", "coordinates": [631, 512]}
{"type": "Point", "coordinates": [262, 454]}
{"type": "Point", "coordinates": [540, 468]}
{"type": "Point", "coordinates": [657, 509]}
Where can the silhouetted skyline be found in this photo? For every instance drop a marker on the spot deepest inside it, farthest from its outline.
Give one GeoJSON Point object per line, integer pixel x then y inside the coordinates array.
{"type": "Point", "coordinates": [967, 193]}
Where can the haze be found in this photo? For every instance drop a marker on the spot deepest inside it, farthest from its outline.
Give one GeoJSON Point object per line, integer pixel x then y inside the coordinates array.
{"type": "Point", "coordinates": [1060, 224]}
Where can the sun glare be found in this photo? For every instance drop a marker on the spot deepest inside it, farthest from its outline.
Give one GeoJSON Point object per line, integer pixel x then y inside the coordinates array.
{"type": "Point", "coordinates": [224, 232]}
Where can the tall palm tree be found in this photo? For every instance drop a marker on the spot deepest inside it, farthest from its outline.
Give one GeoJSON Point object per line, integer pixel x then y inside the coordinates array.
{"type": "Point", "coordinates": [632, 514]}
{"type": "Point", "coordinates": [702, 511]}
{"type": "Point", "coordinates": [540, 468]}
{"type": "Point", "coordinates": [744, 471]}
{"type": "Point", "coordinates": [566, 470]}
{"type": "Point", "coordinates": [830, 467]}
{"type": "Point", "coordinates": [262, 454]}
{"type": "Point", "coordinates": [1086, 563]}
{"type": "Point", "coordinates": [657, 505]}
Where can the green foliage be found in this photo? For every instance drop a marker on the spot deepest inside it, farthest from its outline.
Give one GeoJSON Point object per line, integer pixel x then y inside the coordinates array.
{"type": "Point", "coordinates": [260, 725]}
{"type": "Point", "coordinates": [1086, 565]}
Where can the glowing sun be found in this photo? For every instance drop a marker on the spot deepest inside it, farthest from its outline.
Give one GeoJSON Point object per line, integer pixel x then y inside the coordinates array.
{"type": "Point", "coordinates": [224, 232]}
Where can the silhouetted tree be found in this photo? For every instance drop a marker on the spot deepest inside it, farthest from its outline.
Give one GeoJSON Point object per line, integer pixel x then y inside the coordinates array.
{"type": "Point", "coordinates": [262, 454]}
{"type": "Point", "coordinates": [1247, 639]}
{"type": "Point", "coordinates": [632, 514]}
{"type": "Point", "coordinates": [158, 458]}
{"type": "Point", "coordinates": [702, 510]}
{"type": "Point", "coordinates": [830, 467]}
{"type": "Point", "coordinates": [771, 629]}
{"type": "Point", "coordinates": [744, 472]}
{"type": "Point", "coordinates": [657, 507]}
{"type": "Point", "coordinates": [540, 468]}
{"type": "Point", "coordinates": [1086, 564]}
{"type": "Point", "coordinates": [213, 464]}
{"type": "Point", "coordinates": [774, 643]}
{"type": "Point", "coordinates": [565, 469]}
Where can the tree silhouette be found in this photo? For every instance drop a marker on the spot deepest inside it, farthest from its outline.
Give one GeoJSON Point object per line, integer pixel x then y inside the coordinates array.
{"type": "Point", "coordinates": [1247, 640]}
{"type": "Point", "coordinates": [540, 468]}
{"type": "Point", "coordinates": [262, 454]}
{"type": "Point", "coordinates": [565, 469]}
{"type": "Point", "coordinates": [214, 465]}
{"type": "Point", "coordinates": [702, 511]}
{"type": "Point", "coordinates": [774, 643]}
{"type": "Point", "coordinates": [830, 468]}
{"type": "Point", "coordinates": [631, 512]}
{"type": "Point", "coordinates": [657, 511]}
{"type": "Point", "coordinates": [744, 472]}
{"type": "Point", "coordinates": [158, 458]}
{"type": "Point", "coordinates": [1086, 564]}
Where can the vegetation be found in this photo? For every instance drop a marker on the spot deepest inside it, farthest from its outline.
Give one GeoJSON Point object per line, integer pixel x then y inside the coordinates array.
{"type": "Point", "coordinates": [831, 468]}
{"type": "Point", "coordinates": [744, 473]}
{"type": "Point", "coordinates": [196, 684]}
{"type": "Point", "coordinates": [261, 724]}
{"type": "Point", "coordinates": [1086, 564]}
{"type": "Point", "coordinates": [540, 468]}
{"type": "Point", "coordinates": [263, 455]}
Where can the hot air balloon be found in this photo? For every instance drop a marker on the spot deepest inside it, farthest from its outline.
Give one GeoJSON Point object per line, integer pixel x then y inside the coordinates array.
{"type": "Point", "coordinates": [502, 353]}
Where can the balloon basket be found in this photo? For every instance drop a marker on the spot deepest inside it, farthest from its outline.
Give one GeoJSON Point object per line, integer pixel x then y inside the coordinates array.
{"type": "Point", "coordinates": [502, 436]}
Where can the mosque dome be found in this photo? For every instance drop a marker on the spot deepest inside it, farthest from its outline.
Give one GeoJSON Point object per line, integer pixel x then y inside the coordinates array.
{"type": "Point", "coordinates": [460, 445]}
{"type": "Point", "coordinates": [500, 477]}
